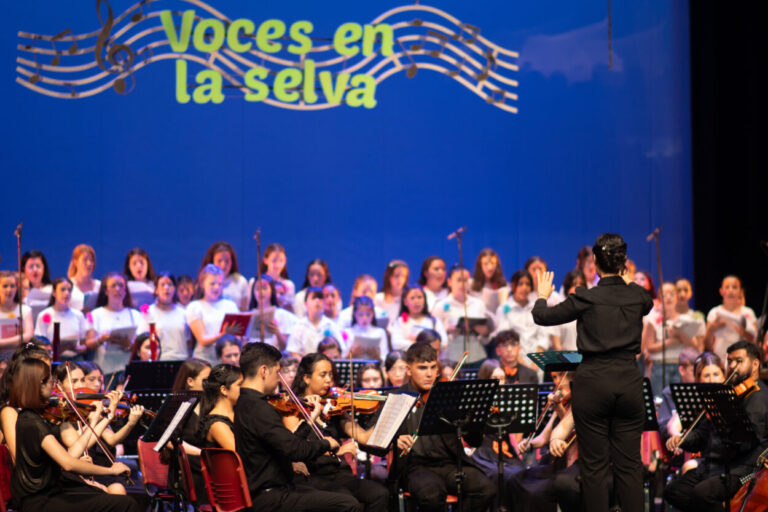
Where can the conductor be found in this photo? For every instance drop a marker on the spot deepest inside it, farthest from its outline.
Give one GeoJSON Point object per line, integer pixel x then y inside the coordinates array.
{"type": "Point", "coordinates": [607, 389]}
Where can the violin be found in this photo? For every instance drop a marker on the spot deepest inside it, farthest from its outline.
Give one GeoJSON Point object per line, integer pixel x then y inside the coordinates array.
{"type": "Point", "coordinates": [286, 406]}
{"type": "Point", "coordinates": [91, 396]}
{"type": "Point", "coordinates": [746, 387]}
{"type": "Point", "coordinates": [364, 401]}
{"type": "Point", "coordinates": [58, 411]}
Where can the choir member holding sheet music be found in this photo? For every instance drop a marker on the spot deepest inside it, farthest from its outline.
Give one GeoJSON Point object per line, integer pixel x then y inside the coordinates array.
{"type": "Point", "coordinates": [74, 330]}
{"type": "Point", "coordinates": [390, 297]}
{"type": "Point", "coordinates": [731, 320]}
{"type": "Point", "coordinates": [413, 318]}
{"type": "Point", "coordinates": [314, 379]}
{"type": "Point", "coordinates": [692, 324]}
{"type": "Point", "coordinates": [433, 279]}
{"type": "Point", "coordinates": [488, 283]}
{"type": "Point", "coordinates": [316, 276]}
{"type": "Point", "coordinates": [205, 316]}
{"type": "Point", "coordinates": [115, 323]}
{"type": "Point", "coordinates": [364, 285]}
{"type": "Point", "coordinates": [169, 318]}
{"type": "Point", "coordinates": [274, 264]}
{"type": "Point", "coordinates": [141, 277]}
{"type": "Point", "coordinates": [85, 288]}
{"type": "Point", "coordinates": [35, 268]}
{"type": "Point", "coordinates": [278, 322]}
{"type": "Point", "coordinates": [364, 338]}
{"type": "Point", "coordinates": [315, 326]}
{"type": "Point", "coordinates": [9, 314]}
{"type": "Point", "coordinates": [450, 311]}
{"type": "Point", "coordinates": [234, 287]}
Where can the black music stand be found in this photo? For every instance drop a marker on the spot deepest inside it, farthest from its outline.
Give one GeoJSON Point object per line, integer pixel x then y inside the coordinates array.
{"type": "Point", "coordinates": [458, 407]}
{"type": "Point", "coordinates": [468, 373]}
{"type": "Point", "coordinates": [342, 367]}
{"type": "Point", "coordinates": [167, 427]}
{"type": "Point", "coordinates": [153, 375]}
{"type": "Point", "coordinates": [151, 400]}
{"type": "Point", "coordinates": [651, 422]}
{"type": "Point", "coordinates": [724, 411]}
{"type": "Point", "coordinates": [517, 415]}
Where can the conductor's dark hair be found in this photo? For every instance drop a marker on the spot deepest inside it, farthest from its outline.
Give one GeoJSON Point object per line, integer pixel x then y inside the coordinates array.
{"type": "Point", "coordinates": [34, 253]}
{"type": "Point", "coordinates": [420, 353]}
{"type": "Point", "coordinates": [752, 350]}
{"type": "Point", "coordinates": [221, 375]}
{"type": "Point", "coordinates": [320, 263]}
{"type": "Point", "coordinates": [256, 355]}
{"type": "Point", "coordinates": [306, 367]}
{"type": "Point", "coordinates": [610, 252]}
{"type": "Point", "coordinates": [138, 251]}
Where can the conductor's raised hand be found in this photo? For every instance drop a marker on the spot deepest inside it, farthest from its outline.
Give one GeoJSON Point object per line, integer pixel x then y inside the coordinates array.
{"type": "Point", "coordinates": [545, 286]}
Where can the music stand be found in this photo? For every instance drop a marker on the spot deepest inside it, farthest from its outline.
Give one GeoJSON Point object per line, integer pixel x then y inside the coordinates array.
{"type": "Point", "coordinates": [517, 414]}
{"type": "Point", "coordinates": [468, 373]}
{"type": "Point", "coordinates": [459, 406]}
{"type": "Point", "coordinates": [651, 422]}
{"type": "Point", "coordinates": [153, 375]}
{"type": "Point", "coordinates": [556, 360]}
{"type": "Point", "coordinates": [342, 367]}
{"type": "Point", "coordinates": [725, 413]}
{"type": "Point", "coordinates": [151, 400]}
{"type": "Point", "coordinates": [167, 426]}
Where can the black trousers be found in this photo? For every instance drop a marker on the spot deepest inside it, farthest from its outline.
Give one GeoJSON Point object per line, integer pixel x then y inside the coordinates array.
{"type": "Point", "coordinates": [429, 485]}
{"type": "Point", "coordinates": [372, 495]}
{"type": "Point", "coordinates": [697, 491]}
{"type": "Point", "coordinates": [79, 499]}
{"type": "Point", "coordinates": [302, 498]}
{"type": "Point", "coordinates": [609, 415]}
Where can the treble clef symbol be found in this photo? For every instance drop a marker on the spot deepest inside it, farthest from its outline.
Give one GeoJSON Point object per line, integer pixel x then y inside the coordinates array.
{"type": "Point", "coordinates": [119, 56]}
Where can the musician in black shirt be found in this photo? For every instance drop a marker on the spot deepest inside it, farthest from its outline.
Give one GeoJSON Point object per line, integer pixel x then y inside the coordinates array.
{"type": "Point", "coordinates": [607, 404]}
{"type": "Point", "coordinates": [267, 448]}
{"type": "Point", "coordinates": [507, 344]}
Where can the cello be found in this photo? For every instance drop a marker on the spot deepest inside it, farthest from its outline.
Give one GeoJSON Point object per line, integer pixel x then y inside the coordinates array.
{"type": "Point", "coordinates": [753, 494]}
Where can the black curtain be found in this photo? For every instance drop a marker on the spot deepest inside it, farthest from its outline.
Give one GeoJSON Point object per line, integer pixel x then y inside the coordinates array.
{"type": "Point", "coordinates": [728, 55]}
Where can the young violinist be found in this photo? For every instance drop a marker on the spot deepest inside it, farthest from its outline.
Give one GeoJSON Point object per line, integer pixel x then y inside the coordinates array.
{"type": "Point", "coordinates": [36, 482]}
{"type": "Point", "coordinates": [267, 448]}
{"type": "Point", "coordinates": [314, 379]}
{"type": "Point", "coordinates": [426, 467]}
{"type": "Point", "coordinates": [702, 488]}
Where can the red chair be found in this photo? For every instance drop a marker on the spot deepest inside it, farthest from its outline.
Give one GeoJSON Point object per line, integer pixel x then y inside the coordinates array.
{"type": "Point", "coordinates": [225, 480]}
{"type": "Point", "coordinates": [154, 474]}
{"type": "Point", "coordinates": [6, 468]}
{"type": "Point", "coordinates": [189, 482]}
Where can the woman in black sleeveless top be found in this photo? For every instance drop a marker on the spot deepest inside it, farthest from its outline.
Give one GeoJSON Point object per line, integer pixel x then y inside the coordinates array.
{"type": "Point", "coordinates": [608, 408]}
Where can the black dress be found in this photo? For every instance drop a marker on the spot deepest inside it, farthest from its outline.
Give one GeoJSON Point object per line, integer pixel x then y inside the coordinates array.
{"type": "Point", "coordinates": [608, 408]}
{"type": "Point", "coordinates": [36, 480]}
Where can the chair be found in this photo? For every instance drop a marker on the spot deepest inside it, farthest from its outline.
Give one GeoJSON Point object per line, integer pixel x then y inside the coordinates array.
{"type": "Point", "coordinates": [6, 468]}
{"type": "Point", "coordinates": [225, 480]}
{"type": "Point", "coordinates": [189, 482]}
{"type": "Point", "coordinates": [154, 473]}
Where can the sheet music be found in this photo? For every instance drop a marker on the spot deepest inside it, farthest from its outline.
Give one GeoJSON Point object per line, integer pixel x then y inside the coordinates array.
{"type": "Point", "coordinates": [173, 424]}
{"type": "Point", "coordinates": [9, 327]}
{"type": "Point", "coordinates": [396, 408]}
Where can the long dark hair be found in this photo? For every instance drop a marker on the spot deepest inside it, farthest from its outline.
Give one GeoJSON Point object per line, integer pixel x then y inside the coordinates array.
{"type": "Point", "coordinates": [478, 276]}
{"type": "Point", "coordinates": [306, 367]}
{"type": "Point", "coordinates": [138, 251]}
{"type": "Point", "coordinates": [190, 369]}
{"type": "Point", "coordinates": [34, 253]}
{"type": "Point", "coordinates": [26, 351]}
{"type": "Point", "coordinates": [272, 248]}
{"type": "Point", "coordinates": [217, 247]}
{"type": "Point", "coordinates": [425, 267]}
{"type": "Point", "coordinates": [317, 261]}
{"type": "Point", "coordinates": [57, 282]}
{"type": "Point", "coordinates": [406, 289]}
{"type": "Point", "coordinates": [393, 265]}
{"type": "Point", "coordinates": [253, 303]}
{"type": "Point", "coordinates": [101, 299]}
{"type": "Point", "coordinates": [221, 375]}
{"type": "Point", "coordinates": [169, 275]}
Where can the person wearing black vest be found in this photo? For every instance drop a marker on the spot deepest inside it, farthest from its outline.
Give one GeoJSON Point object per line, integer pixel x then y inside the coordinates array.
{"type": "Point", "coordinates": [607, 403]}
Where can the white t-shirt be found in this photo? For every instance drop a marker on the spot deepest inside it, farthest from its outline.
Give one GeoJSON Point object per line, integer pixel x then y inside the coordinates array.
{"type": "Point", "coordinates": [212, 315]}
{"type": "Point", "coordinates": [372, 332]}
{"type": "Point", "coordinates": [72, 326]}
{"type": "Point", "coordinates": [235, 288]}
{"type": "Point", "coordinates": [671, 350]}
{"type": "Point", "coordinates": [305, 336]}
{"type": "Point", "coordinates": [512, 315]}
{"type": "Point", "coordinates": [110, 357]}
{"type": "Point", "coordinates": [171, 327]}
{"type": "Point", "coordinates": [727, 335]}
{"type": "Point", "coordinates": [9, 324]}
{"type": "Point", "coordinates": [449, 311]}
{"type": "Point", "coordinates": [402, 331]}
{"type": "Point", "coordinates": [345, 317]}
{"type": "Point", "coordinates": [491, 297]}
{"type": "Point", "coordinates": [392, 308]}
{"type": "Point", "coordinates": [78, 300]}
{"type": "Point", "coordinates": [285, 322]}
{"type": "Point", "coordinates": [433, 298]}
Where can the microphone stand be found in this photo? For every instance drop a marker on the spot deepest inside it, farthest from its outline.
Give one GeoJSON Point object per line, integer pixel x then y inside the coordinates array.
{"type": "Point", "coordinates": [18, 290]}
{"type": "Point", "coordinates": [655, 237]}
{"type": "Point", "coordinates": [257, 236]}
{"type": "Point", "coordinates": [458, 234]}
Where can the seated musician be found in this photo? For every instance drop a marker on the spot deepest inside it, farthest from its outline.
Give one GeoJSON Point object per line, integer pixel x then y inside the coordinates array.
{"type": "Point", "coordinates": [267, 448]}
{"type": "Point", "coordinates": [702, 489]}
{"type": "Point", "coordinates": [507, 344]}
{"type": "Point", "coordinates": [314, 378]}
{"type": "Point", "coordinates": [221, 389]}
{"type": "Point", "coordinates": [428, 469]}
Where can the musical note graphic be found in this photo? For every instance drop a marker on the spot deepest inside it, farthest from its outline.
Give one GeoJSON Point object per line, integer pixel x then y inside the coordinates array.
{"type": "Point", "coordinates": [412, 69]}
{"type": "Point", "coordinates": [490, 60]}
{"type": "Point", "coordinates": [119, 64]}
{"type": "Point", "coordinates": [72, 49]}
{"type": "Point", "coordinates": [442, 38]}
{"type": "Point", "coordinates": [470, 29]}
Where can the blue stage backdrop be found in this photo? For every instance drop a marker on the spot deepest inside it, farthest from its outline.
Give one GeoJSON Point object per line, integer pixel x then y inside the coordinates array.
{"type": "Point", "coordinates": [356, 132]}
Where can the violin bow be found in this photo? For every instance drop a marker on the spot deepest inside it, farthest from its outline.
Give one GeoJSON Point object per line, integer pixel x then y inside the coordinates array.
{"type": "Point", "coordinates": [301, 408]}
{"type": "Point", "coordinates": [257, 236]}
{"type": "Point", "coordinates": [540, 419]}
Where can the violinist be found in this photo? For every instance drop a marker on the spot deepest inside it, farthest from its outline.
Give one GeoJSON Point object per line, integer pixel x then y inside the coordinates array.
{"type": "Point", "coordinates": [428, 469]}
{"type": "Point", "coordinates": [267, 448]}
{"type": "Point", "coordinates": [507, 344]}
{"type": "Point", "coordinates": [702, 488]}
{"type": "Point", "coordinates": [313, 380]}
{"type": "Point", "coordinates": [36, 482]}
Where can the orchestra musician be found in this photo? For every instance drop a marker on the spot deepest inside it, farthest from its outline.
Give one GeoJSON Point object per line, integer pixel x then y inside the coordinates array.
{"type": "Point", "coordinates": [267, 448]}
{"type": "Point", "coordinates": [428, 469]}
{"type": "Point", "coordinates": [702, 488]}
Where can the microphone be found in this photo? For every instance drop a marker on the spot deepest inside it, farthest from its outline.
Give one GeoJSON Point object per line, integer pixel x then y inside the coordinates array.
{"type": "Point", "coordinates": [18, 230]}
{"type": "Point", "coordinates": [457, 232]}
{"type": "Point", "coordinates": [654, 234]}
